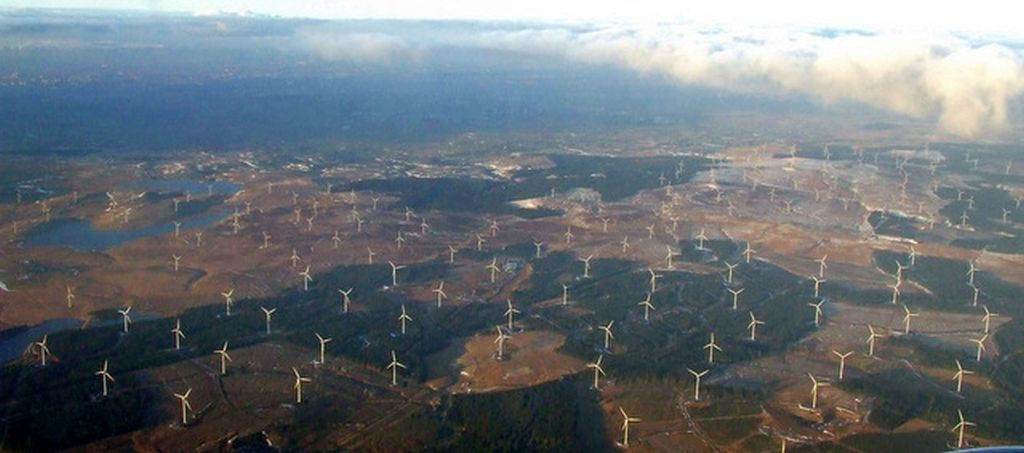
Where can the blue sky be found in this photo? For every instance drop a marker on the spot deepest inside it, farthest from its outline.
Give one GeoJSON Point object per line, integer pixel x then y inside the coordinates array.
{"type": "Point", "coordinates": [988, 16]}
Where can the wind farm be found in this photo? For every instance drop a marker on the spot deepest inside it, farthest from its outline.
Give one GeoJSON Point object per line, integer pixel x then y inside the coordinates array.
{"type": "Point", "coordinates": [719, 287]}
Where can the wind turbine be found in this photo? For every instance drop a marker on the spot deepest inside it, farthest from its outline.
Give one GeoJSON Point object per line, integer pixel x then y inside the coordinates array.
{"type": "Point", "coordinates": [959, 427]}
{"type": "Point", "coordinates": [568, 234]}
{"type": "Point", "coordinates": [185, 406]}
{"type": "Point", "coordinates": [323, 345]}
{"type": "Point", "coordinates": [701, 238]}
{"type": "Point", "coordinates": [104, 376]}
{"type": "Point", "coordinates": [177, 262]}
{"type": "Point", "coordinates": [228, 300]}
{"type": "Point", "coordinates": [125, 318]}
{"type": "Point", "coordinates": [668, 256]}
{"type": "Point", "coordinates": [399, 240]}
{"type": "Point", "coordinates": [912, 256]}
{"type": "Point", "coordinates": [394, 366]}
{"type": "Point", "coordinates": [424, 226]}
{"type": "Point", "coordinates": [565, 294]}
{"type": "Point", "coordinates": [959, 376]}
{"type": "Point", "coordinates": [336, 239]}
{"type": "Point", "coordinates": [815, 383]}
{"type": "Point", "coordinates": [586, 265]}
{"type": "Point", "coordinates": [224, 358]}
{"type": "Point", "coordinates": [981, 345]}
{"type": "Point", "coordinates": [899, 271]}
{"type": "Point", "coordinates": [871, 340]}
{"type": "Point", "coordinates": [394, 273]}
{"type": "Point", "coordinates": [306, 278]}
{"type": "Point", "coordinates": [266, 240]}
{"type": "Point", "coordinates": [510, 312]}
{"type": "Point", "coordinates": [403, 318]}
{"type": "Point", "coordinates": [970, 272]}
{"type": "Point", "coordinates": [502, 338]}
{"type": "Point", "coordinates": [604, 224]}
{"type": "Point", "coordinates": [70, 295]}
{"type": "Point", "coordinates": [895, 293]}
{"type": "Point", "coordinates": [626, 420]}
{"type": "Point", "coordinates": [451, 254]}
{"type": "Point", "coordinates": [648, 306]}
{"type": "Point", "coordinates": [538, 246]}
{"type": "Point", "coordinates": [907, 316]}
{"type": "Point", "coordinates": [607, 333]}
{"type": "Point", "coordinates": [747, 252]}
{"type": "Point", "coordinates": [267, 313]}
{"type": "Point", "coordinates": [731, 267]}
{"type": "Point", "coordinates": [625, 243]}
{"type": "Point", "coordinates": [440, 293]}
{"type": "Point", "coordinates": [842, 361]}
{"type": "Point", "coordinates": [43, 350]}
{"type": "Point", "coordinates": [596, 366]}
{"type": "Point", "coordinates": [494, 227]}
{"type": "Point", "coordinates": [369, 255]}
{"type": "Point", "coordinates": [822, 265]}
{"type": "Point", "coordinates": [754, 322]}
{"type": "Point", "coordinates": [817, 284]}
{"type": "Point", "coordinates": [735, 297]}
{"type": "Point", "coordinates": [974, 301]}
{"type": "Point", "coordinates": [654, 279]}
{"type": "Point", "coordinates": [493, 267]}
{"type": "Point", "coordinates": [712, 347]}
{"type": "Point", "coordinates": [987, 319]}
{"type": "Point", "coordinates": [817, 312]}
{"type": "Point", "coordinates": [650, 231]}
{"type": "Point", "coordinates": [345, 301]}
{"type": "Point", "coordinates": [178, 334]}
{"type": "Point", "coordinates": [696, 383]}
{"type": "Point", "coordinates": [298, 385]}
{"type": "Point", "coordinates": [480, 242]}
{"type": "Point", "coordinates": [295, 258]}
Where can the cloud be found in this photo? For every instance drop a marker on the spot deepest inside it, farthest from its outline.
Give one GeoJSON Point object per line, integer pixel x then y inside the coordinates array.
{"type": "Point", "coordinates": [359, 47]}
{"type": "Point", "coordinates": [967, 87]}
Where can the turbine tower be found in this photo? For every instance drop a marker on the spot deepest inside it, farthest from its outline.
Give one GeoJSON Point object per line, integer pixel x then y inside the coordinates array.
{"type": "Point", "coordinates": [306, 278]}
{"type": "Point", "coordinates": [607, 333]}
{"type": "Point", "coordinates": [712, 347]}
{"type": "Point", "coordinates": [987, 319]}
{"type": "Point", "coordinates": [735, 297]}
{"type": "Point", "coordinates": [228, 300]}
{"type": "Point", "coordinates": [871, 340]}
{"type": "Point", "coordinates": [178, 334]}
{"type": "Point", "coordinates": [815, 383]}
{"type": "Point", "coordinates": [500, 340]}
{"type": "Point", "coordinates": [598, 371]}
{"type": "Point", "coordinates": [266, 314]}
{"type": "Point", "coordinates": [224, 358]}
{"type": "Point", "coordinates": [654, 279]}
{"type": "Point", "coordinates": [298, 385]}
{"type": "Point", "coordinates": [907, 316]}
{"type": "Point", "coordinates": [441, 295]}
{"type": "Point", "coordinates": [817, 312]}
{"type": "Point", "coordinates": [648, 306]}
{"type": "Point", "coordinates": [394, 366]}
{"type": "Point", "coordinates": [185, 406]}
{"type": "Point", "coordinates": [959, 376]}
{"type": "Point", "coordinates": [394, 273]}
{"type": "Point", "coordinates": [754, 322]}
{"type": "Point", "coordinates": [493, 267]}
{"type": "Point", "coordinates": [696, 383]}
{"type": "Point", "coordinates": [626, 420]}
{"type": "Point", "coordinates": [345, 301]}
{"type": "Point", "coordinates": [323, 346]}
{"type": "Point", "coordinates": [981, 346]}
{"type": "Point", "coordinates": [403, 318]}
{"type": "Point", "coordinates": [822, 265]}
{"type": "Point", "coordinates": [125, 318]}
{"type": "Point", "coordinates": [43, 350]}
{"type": "Point", "coordinates": [842, 361]}
{"type": "Point", "coordinates": [731, 268]}
{"type": "Point", "coordinates": [105, 376]}
{"type": "Point", "coordinates": [959, 429]}
{"type": "Point", "coordinates": [586, 266]}
{"type": "Point", "coordinates": [510, 313]}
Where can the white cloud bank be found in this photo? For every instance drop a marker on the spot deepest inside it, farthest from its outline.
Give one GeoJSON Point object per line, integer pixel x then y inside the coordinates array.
{"type": "Point", "coordinates": [968, 87]}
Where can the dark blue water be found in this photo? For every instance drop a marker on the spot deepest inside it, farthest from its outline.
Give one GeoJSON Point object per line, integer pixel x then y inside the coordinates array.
{"type": "Point", "coordinates": [180, 185]}
{"type": "Point", "coordinates": [14, 346]}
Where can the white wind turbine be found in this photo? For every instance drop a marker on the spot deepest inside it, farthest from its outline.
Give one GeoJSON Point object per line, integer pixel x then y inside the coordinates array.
{"type": "Point", "coordinates": [648, 306]}
{"type": "Point", "coordinates": [228, 300]}
{"type": "Point", "coordinates": [493, 267]}
{"type": "Point", "coordinates": [70, 295]}
{"type": "Point", "coordinates": [104, 376]}
{"type": "Point", "coordinates": [538, 246]}
{"type": "Point", "coordinates": [822, 265]}
{"type": "Point", "coordinates": [336, 239]}
{"type": "Point", "coordinates": [731, 268]}
{"type": "Point", "coordinates": [565, 294]}
{"type": "Point", "coordinates": [323, 346]}
{"type": "Point", "coordinates": [815, 383]}
{"type": "Point", "coordinates": [625, 243]}
{"type": "Point", "coordinates": [500, 340]}
{"type": "Point", "coordinates": [266, 240]}
{"type": "Point", "coordinates": [959, 427]}
{"type": "Point", "coordinates": [668, 256]}
{"type": "Point", "coordinates": [568, 234]}
{"type": "Point", "coordinates": [441, 295]}
{"type": "Point", "coordinates": [295, 258]}
{"type": "Point", "coordinates": [480, 242]}
{"type": "Point", "coordinates": [748, 252]}
{"type": "Point", "coordinates": [267, 313]}
{"type": "Point", "coordinates": [298, 385]}
{"type": "Point", "coordinates": [424, 226]}
{"type": "Point", "coordinates": [842, 361]}
{"type": "Point", "coordinates": [451, 254]}
{"type": "Point", "coordinates": [345, 300]}
{"type": "Point", "coordinates": [899, 271]}
{"type": "Point", "coordinates": [394, 366]}
{"type": "Point", "coordinates": [604, 224]}
{"type": "Point", "coordinates": [987, 319]}
{"type": "Point", "coordinates": [959, 376]}
{"type": "Point", "coordinates": [981, 345]}
{"type": "Point", "coordinates": [754, 322]}
{"type": "Point", "coordinates": [970, 272]}
{"type": "Point", "coordinates": [369, 255]}
{"type": "Point", "coordinates": [224, 358]}
{"type": "Point", "coordinates": [895, 293]}
{"type": "Point", "coordinates": [403, 318]}
{"type": "Point", "coordinates": [735, 297]}
{"type": "Point", "coordinates": [607, 333]}
{"type": "Point", "coordinates": [650, 231]}
{"type": "Point", "coordinates": [44, 350]}
{"type": "Point", "coordinates": [598, 371]}
{"type": "Point", "coordinates": [586, 265]}
{"type": "Point", "coordinates": [626, 420]}
{"type": "Point", "coordinates": [712, 347]}
{"type": "Point", "coordinates": [399, 240]}
{"type": "Point", "coordinates": [177, 262]}
{"type": "Point", "coordinates": [178, 334]}
{"type": "Point", "coordinates": [126, 319]}
{"type": "Point", "coordinates": [696, 383]}
{"type": "Point", "coordinates": [871, 340]}
{"type": "Point", "coordinates": [701, 238]}
{"type": "Point", "coordinates": [907, 316]}
{"type": "Point", "coordinates": [817, 312]}
{"type": "Point", "coordinates": [654, 279]}
{"type": "Point", "coordinates": [494, 227]}
{"type": "Point", "coordinates": [510, 313]}
{"type": "Point", "coordinates": [306, 278]}
{"type": "Point", "coordinates": [817, 284]}
{"type": "Point", "coordinates": [974, 300]}
{"type": "Point", "coordinates": [185, 406]}
{"type": "Point", "coordinates": [394, 273]}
